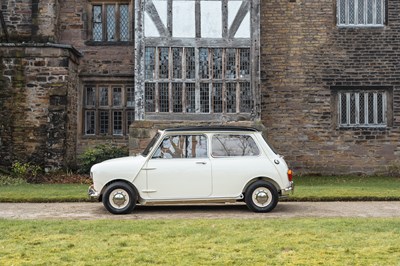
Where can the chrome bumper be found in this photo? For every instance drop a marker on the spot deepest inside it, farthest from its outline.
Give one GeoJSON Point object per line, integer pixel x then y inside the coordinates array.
{"type": "Point", "coordinates": [288, 190]}
{"type": "Point", "coordinates": [92, 193]}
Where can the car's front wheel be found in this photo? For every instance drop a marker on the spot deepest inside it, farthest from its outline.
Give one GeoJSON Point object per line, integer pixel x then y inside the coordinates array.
{"type": "Point", "coordinates": [261, 196]}
{"type": "Point", "coordinates": [119, 198]}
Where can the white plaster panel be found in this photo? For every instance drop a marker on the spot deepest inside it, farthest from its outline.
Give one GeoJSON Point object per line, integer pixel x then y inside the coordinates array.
{"type": "Point", "coordinates": [233, 8]}
{"type": "Point", "coordinates": [183, 19]}
{"type": "Point", "coordinates": [150, 29]}
{"type": "Point", "coordinates": [162, 9]}
{"type": "Point", "coordinates": [211, 19]}
{"type": "Point", "coordinates": [244, 28]}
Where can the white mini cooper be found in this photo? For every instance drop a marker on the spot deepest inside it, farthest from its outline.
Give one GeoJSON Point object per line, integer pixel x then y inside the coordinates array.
{"type": "Point", "coordinates": [196, 164]}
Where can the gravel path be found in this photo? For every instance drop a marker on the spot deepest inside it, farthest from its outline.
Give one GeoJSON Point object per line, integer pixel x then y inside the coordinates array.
{"type": "Point", "coordinates": [93, 211]}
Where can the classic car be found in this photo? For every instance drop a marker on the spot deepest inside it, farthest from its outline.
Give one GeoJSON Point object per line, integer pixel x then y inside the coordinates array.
{"type": "Point", "coordinates": [195, 165]}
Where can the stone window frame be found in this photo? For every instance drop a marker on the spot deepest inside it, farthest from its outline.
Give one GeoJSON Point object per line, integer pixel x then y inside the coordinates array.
{"type": "Point", "coordinates": [349, 13]}
{"type": "Point", "coordinates": [362, 106]}
{"type": "Point", "coordinates": [110, 108]}
{"type": "Point", "coordinates": [116, 4]}
{"type": "Point", "coordinates": [228, 40]}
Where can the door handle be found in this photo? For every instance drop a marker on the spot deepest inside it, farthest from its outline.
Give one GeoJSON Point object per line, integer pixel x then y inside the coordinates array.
{"type": "Point", "coordinates": [201, 163]}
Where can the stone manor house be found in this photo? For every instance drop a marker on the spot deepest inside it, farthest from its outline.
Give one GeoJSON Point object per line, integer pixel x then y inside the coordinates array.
{"type": "Point", "coordinates": [321, 77]}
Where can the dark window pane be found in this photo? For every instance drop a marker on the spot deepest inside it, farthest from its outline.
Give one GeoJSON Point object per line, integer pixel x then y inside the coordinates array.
{"type": "Point", "coordinates": [244, 63]}
{"type": "Point", "coordinates": [177, 97]}
{"type": "Point", "coordinates": [177, 62]}
{"type": "Point", "coordinates": [164, 97]}
{"type": "Point", "coordinates": [190, 63]}
{"type": "Point", "coordinates": [104, 122]}
{"type": "Point", "coordinates": [190, 98]}
{"type": "Point", "coordinates": [103, 97]}
{"type": "Point", "coordinates": [230, 64]}
{"type": "Point", "coordinates": [117, 123]}
{"type": "Point", "coordinates": [231, 97]}
{"type": "Point", "coordinates": [246, 98]}
{"type": "Point", "coordinates": [90, 96]}
{"type": "Point", "coordinates": [130, 97]}
{"type": "Point", "coordinates": [150, 97]}
{"type": "Point", "coordinates": [117, 96]}
{"type": "Point", "coordinates": [124, 22]}
{"type": "Point", "coordinates": [352, 108]}
{"type": "Point", "coordinates": [163, 62]}
{"type": "Point", "coordinates": [111, 23]}
{"type": "Point", "coordinates": [343, 110]}
{"type": "Point", "coordinates": [217, 63]}
{"type": "Point", "coordinates": [204, 98]}
{"type": "Point", "coordinates": [90, 122]}
{"type": "Point", "coordinates": [217, 89]}
{"type": "Point", "coordinates": [97, 23]}
{"type": "Point", "coordinates": [149, 63]}
{"type": "Point", "coordinates": [204, 63]}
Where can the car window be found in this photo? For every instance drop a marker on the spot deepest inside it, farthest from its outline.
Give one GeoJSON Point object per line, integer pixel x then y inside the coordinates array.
{"type": "Point", "coordinates": [227, 145]}
{"type": "Point", "coordinates": [182, 146]}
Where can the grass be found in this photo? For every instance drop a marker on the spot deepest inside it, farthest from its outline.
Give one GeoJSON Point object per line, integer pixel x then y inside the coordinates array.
{"type": "Point", "coordinates": [201, 242]}
{"type": "Point", "coordinates": [43, 193]}
{"type": "Point", "coordinates": [308, 188]}
{"type": "Point", "coordinates": [332, 188]}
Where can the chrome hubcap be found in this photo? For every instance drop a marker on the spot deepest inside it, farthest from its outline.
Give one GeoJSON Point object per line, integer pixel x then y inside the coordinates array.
{"type": "Point", "coordinates": [119, 199]}
{"type": "Point", "coordinates": [262, 197]}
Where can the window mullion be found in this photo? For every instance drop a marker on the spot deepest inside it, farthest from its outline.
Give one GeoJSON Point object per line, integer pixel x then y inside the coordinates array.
{"type": "Point", "coordinates": [348, 96]}
{"type": "Point", "coordinates": [375, 106]}
{"type": "Point", "coordinates": [357, 108]}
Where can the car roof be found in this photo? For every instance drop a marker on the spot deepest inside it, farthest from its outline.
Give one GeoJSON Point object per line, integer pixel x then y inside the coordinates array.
{"type": "Point", "coordinates": [211, 129]}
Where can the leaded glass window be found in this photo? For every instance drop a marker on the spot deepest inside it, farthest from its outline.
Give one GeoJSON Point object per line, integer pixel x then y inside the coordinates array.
{"type": "Point", "coordinates": [216, 89]}
{"type": "Point", "coordinates": [361, 12]}
{"type": "Point", "coordinates": [110, 22]}
{"type": "Point", "coordinates": [108, 109]}
{"type": "Point", "coordinates": [362, 108]}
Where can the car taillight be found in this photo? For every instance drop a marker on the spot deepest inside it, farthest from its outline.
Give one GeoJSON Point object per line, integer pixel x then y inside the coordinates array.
{"type": "Point", "coordinates": [290, 175]}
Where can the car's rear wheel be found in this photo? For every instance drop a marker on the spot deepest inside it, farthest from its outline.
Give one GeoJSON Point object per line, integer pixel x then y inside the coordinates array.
{"type": "Point", "coordinates": [119, 198]}
{"type": "Point", "coordinates": [261, 196]}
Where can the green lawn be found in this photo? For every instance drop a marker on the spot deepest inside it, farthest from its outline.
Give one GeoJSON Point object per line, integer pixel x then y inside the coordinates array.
{"type": "Point", "coordinates": [308, 188]}
{"type": "Point", "coordinates": [43, 193]}
{"type": "Point", "coordinates": [201, 242]}
{"type": "Point", "coordinates": [322, 188]}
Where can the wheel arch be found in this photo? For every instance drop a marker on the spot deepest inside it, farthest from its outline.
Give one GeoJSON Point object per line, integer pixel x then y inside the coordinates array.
{"type": "Point", "coordinates": [262, 178]}
{"type": "Point", "coordinates": [115, 181]}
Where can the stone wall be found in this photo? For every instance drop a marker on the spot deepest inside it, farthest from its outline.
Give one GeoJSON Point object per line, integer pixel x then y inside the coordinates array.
{"type": "Point", "coordinates": [304, 54]}
{"type": "Point", "coordinates": [107, 63]}
{"type": "Point", "coordinates": [31, 21]}
{"type": "Point", "coordinates": [38, 101]}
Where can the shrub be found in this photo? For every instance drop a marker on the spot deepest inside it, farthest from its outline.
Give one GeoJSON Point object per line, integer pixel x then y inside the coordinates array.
{"type": "Point", "coordinates": [7, 180]}
{"type": "Point", "coordinates": [98, 154]}
{"type": "Point", "coordinates": [26, 171]}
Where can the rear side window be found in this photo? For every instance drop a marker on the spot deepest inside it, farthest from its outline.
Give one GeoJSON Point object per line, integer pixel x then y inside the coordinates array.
{"type": "Point", "coordinates": [229, 145]}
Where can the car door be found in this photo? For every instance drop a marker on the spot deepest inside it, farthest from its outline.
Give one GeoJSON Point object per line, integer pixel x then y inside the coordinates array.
{"type": "Point", "coordinates": [180, 168]}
